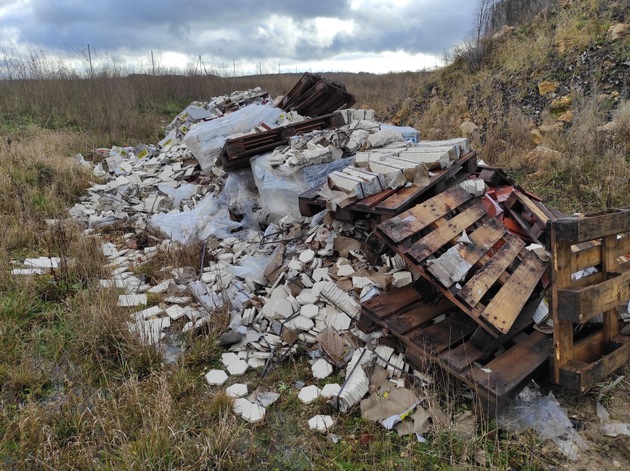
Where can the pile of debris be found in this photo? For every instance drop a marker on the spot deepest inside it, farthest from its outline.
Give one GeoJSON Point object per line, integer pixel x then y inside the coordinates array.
{"type": "Point", "coordinates": [415, 241]}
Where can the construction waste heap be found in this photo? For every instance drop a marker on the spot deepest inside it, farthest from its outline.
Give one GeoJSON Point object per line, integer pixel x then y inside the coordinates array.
{"type": "Point", "coordinates": [375, 251]}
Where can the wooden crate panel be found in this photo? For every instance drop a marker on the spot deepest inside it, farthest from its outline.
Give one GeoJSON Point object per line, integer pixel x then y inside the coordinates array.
{"type": "Point", "coordinates": [407, 321]}
{"type": "Point", "coordinates": [502, 311]}
{"type": "Point", "coordinates": [437, 338]}
{"type": "Point", "coordinates": [582, 376]}
{"type": "Point", "coordinates": [383, 306]}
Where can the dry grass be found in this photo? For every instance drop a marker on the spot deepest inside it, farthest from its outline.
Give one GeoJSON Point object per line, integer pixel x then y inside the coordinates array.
{"type": "Point", "coordinates": [79, 392]}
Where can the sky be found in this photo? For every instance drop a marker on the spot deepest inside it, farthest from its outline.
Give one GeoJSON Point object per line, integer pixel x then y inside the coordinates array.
{"type": "Point", "coordinates": [238, 36]}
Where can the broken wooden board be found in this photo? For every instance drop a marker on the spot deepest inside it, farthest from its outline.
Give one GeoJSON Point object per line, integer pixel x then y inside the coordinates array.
{"type": "Point", "coordinates": [512, 297]}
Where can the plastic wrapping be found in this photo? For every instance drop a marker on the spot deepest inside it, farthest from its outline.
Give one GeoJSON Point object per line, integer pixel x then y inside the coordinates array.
{"type": "Point", "coordinates": [211, 216]}
{"type": "Point", "coordinates": [543, 414]}
{"type": "Point", "coordinates": [206, 139]}
{"type": "Point", "coordinates": [279, 193]}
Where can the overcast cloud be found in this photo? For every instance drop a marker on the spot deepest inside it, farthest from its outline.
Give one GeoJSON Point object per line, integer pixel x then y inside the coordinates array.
{"type": "Point", "coordinates": [354, 35]}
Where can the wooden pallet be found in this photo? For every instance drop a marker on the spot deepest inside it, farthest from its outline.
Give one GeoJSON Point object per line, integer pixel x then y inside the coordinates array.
{"type": "Point", "coordinates": [602, 241]}
{"type": "Point", "coordinates": [314, 95]}
{"type": "Point", "coordinates": [236, 152]}
{"type": "Point", "coordinates": [450, 344]}
{"type": "Point", "coordinates": [389, 203]}
{"type": "Point", "coordinates": [500, 276]}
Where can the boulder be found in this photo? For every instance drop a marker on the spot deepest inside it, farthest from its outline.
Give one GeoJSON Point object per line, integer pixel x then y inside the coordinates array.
{"type": "Point", "coordinates": [468, 128]}
{"type": "Point", "coordinates": [546, 87]}
{"type": "Point", "coordinates": [617, 31]}
{"type": "Point", "coordinates": [542, 156]}
{"type": "Point", "coordinates": [560, 104]}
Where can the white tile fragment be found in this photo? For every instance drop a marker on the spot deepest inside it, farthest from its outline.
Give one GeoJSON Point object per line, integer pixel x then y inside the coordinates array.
{"type": "Point", "coordinates": [130, 300]}
{"type": "Point", "coordinates": [175, 312]}
{"type": "Point", "coordinates": [321, 369]}
{"type": "Point", "coordinates": [307, 256]}
{"type": "Point", "coordinates": [238, 368]}
{"type": "Point", "coordinates": [330, 390]}
{"type": "Point", "coordinates": [345, 270]}
{"type": "Point", "coordinates": [236, 390]}
{"type": "Point", "coordinates": [309, 394]}
{"type": "Point", "coordinates": [228, 358]}
{"type": "Point", "coordinates": [216, 377]}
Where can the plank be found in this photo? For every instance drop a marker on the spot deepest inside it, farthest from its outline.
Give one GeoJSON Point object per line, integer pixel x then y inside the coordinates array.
{"type": "Point", "coordinates": [515, 366]}
{"type": "Point", "coordinates": [560, 278]}
{"type": "Point", "coordinates": [576, 230]}
{"type": "Point", "coordinates": [421, 216]}
{"type": "Point", "coordinates": [442, 335]}
{"type": "Point", "coordinates": [390, 303]}
{"type": "Point", "coordinates": [528, 204]}
{"type": "Point", "coordinates": [453, 264]}
{"type": "Point", "coordinates": [581, 304]}
{"type": "Point", "coordinates": [367, 203]}
{"type": "Point", "coordinates": [443, 234]}
{"type": "Point", "coordinates": [589, 348]}
{"type": "Point", "coordinates": [502, 311]}
{"type": "Point", "coordinates": [397, 203]}
{"type": "Point", "coordinates": [609, 264]}
{"type": "Point", "coordinates": [403, 323]}
{"type": "Point", "coordinates": [482, 281]}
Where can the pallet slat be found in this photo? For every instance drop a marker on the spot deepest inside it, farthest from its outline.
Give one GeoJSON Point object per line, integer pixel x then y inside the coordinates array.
{"type": "Point", "coordinates": [419, 217]}
{"type": "Point", "coordinates": [443, 234]}
{"type": "Point", "coordinates": [509, 370]}
{"type": "Point", "coordinates": [484, 279]}
{"type": "Point", "coordinates": [581, 304]}
{"type": "Point", "coordinates": [502, 311]}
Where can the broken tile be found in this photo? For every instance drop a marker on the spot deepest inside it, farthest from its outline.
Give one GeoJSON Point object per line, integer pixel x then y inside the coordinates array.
{"type": "Point", "coordinates": [131, 300]}
{"type": "Point", "coordinates": [330, 390]}
{"type": "Point", "coordinates": [307, 256]}
{"type": "Point", "coordinates": [321, 423]}
{"type": "Point", "coordinates": [236, 390]}
{"type": "Point", "coordinates": [309, 394]}
{"type": "Point", "coordinates": [228, 358]}
{"type": "Point", "coordinates": [266, 399]}
{"type": "Point", "coordinates": [175, 312]}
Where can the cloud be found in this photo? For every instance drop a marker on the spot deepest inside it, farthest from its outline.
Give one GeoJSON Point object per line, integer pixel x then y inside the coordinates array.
{"type": "Point", "coordinates": [285, 31]}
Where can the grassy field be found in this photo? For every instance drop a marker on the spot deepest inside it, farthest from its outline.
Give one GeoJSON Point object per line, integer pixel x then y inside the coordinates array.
{"type": "Point", "coordinates": [79, 392]}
